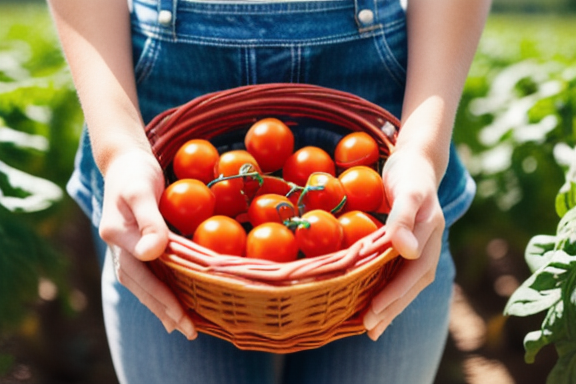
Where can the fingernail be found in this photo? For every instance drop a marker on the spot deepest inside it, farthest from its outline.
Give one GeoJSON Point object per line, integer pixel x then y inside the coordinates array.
{"type": "Point", "coordinates": [370, 319]}
{"type": "Point", "coordinates": [169, 326]}
{"type": "Point", "coordinates": [379, 330]}
{"type": "Point", "coordinates": [186, 327]}
{"type": "Point", "coordinates": [373, 336]}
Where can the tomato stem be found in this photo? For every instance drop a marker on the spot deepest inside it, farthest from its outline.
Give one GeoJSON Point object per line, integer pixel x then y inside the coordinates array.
{"type": "Point", "coordinates": [246, 170]}
{"type": "Point", "coordinates": [282, 206]}
{"type": "Point", "coordinates": [296, 222]}
{"type": "Point", "coordinates": [340, 205]}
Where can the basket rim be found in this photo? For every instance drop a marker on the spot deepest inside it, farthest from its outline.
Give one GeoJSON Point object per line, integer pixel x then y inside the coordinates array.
{"type": "Point", "coordinates": [293, 286]}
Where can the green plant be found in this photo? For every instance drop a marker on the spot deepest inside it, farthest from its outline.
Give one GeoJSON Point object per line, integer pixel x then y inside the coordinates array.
{"type": "Point", "coordinates": [39, 127]}
{"type": "Point", "coordinates": [552, 288]}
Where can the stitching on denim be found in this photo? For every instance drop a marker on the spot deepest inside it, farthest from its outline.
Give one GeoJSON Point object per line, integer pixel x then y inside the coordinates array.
{"type": "Point", "coordinates": [149, 56]}
{"type": "Point", "coordinates": [299, 67]}
{"type": "Point", "coordinates": [292, 61]}
{"type": "Point", "coordinates": [246, 66]}
{"type": "Point", "coordinates": [253, 65]}
{"type": "Point", "coordinates": [224, 7]}
{"type": "Point", "coordinates": [202, 40]}
{"type": "Point", "coordinates": [387, 58]}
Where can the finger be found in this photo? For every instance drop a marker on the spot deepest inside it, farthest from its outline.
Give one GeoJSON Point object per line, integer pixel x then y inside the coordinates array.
{"type": "Point", "coordinates": [405, 286]}
{"type": "Point", "coordinates": [399, 226]}
{"type": "Point", "coordinates": [384, 318]}
{"type": "Point", "coordinates": [153, 230]}
{"type": "Point", "coordinates": [135, 225]}
{"type": "Point", "coordinates": [153, 293]}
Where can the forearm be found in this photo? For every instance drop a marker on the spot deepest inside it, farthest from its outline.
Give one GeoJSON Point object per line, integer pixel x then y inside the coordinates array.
{"type": "Point", "coordinates": [443, 36]}
{"type": "Point", "coordinates": [95, 37]}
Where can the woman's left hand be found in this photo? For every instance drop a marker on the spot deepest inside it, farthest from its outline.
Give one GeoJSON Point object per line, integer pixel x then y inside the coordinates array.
{"type": "Point", "coordinates": [414, 227]}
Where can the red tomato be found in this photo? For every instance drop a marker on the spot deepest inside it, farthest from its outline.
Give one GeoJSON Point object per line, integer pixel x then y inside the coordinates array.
{"type": "Point", "coordinates": [230, 163]}
{"type": "Point", "coordinates": [323, 191]}
{"type": "Point", "coordinates": [221, 234]}
{"type": "Point", "coordinates": [196, 159]}
{"type": "Point", "coordinates": [230, 199]}
{"type": "Point", "coordinates": [356, 225]}
{"type": "Point", "coordinates": [322, 235]}
{"type": "Point", "coordinates": [186, 203]}
{"type": "Point", "coordinates": [270, 208]}
{"type": "Point", "coordinates": [356, 148]}
{"type": "Point", "coordinates": [363, 187]}
{"type": "Point", "coordinates": [385, 207]}
{"type": "Point", "coordinates": [306, 161]}
{"type": "Point", "coordinates": [271, 142]}
{"type": "Point", "coordinates": [271, 241]}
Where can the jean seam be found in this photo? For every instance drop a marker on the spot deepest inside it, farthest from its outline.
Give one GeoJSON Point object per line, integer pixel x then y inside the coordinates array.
{"type": "Point", "coordinates": [146, 62]}
{"type": "Point", "coordinates": [214, 41]}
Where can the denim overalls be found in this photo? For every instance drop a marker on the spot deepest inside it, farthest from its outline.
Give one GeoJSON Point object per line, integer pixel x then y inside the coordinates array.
{"type": "Point", "coordinates": [183, 49]}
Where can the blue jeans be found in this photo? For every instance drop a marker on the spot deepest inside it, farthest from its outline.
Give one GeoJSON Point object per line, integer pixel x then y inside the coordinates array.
{"type": "Point", "coordinates": [203, 47]}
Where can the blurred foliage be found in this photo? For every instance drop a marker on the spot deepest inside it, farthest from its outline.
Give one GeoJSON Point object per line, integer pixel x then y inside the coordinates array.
{"type": "Point", "coordinates": [515, 129]}
{"type": "Point", "coordinates": [39, 127]}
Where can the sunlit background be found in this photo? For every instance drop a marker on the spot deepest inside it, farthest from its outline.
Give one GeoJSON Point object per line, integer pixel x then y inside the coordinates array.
{"type": "Point", "coordinates": [515, 131]}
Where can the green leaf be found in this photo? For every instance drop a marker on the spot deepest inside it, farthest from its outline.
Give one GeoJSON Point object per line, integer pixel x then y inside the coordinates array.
{"type": "Point", "coordinates": [538, 251]}
{"type": "Point", "coordinates": [533, 342]}
{"type": "Point", "coordinates": [566, 232]}
{"type": "Point", "coordinates": [566, 198]}
{"type": "Point", "coordinates": [41, 193]}
{"type": "Point", "coordinates": [552, 330]}
{"type": "Point", "coordinates": [564, 372]}
{"type": "Point", "coordinates": [526, 301]}
{"type": "Point", "coordinates": [23, 140]}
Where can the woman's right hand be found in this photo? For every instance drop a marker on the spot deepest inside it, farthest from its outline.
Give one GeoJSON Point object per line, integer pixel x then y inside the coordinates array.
{"type": "Point", "coordinates": [135, 232]}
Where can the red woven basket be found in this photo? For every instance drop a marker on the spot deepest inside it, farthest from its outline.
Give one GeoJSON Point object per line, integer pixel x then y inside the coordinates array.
{"type": "Point", "coordinates": [259, 304]}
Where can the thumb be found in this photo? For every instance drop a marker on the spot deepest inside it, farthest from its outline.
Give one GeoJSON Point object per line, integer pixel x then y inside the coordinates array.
{"type": "Point", "coordinates": [153, 231]}
{"type": "Point", "coordinates": [400, 228]}
{"type": "Point", "coordinates": [138, 227]}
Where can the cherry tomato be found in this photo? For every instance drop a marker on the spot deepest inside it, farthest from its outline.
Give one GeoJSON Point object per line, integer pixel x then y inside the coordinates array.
{"type": "Point", "coordinates": [271, 241]}
{"type": "Point", "coordinates": [270, 208]}
{"type": "Point", "coordinates": [323, 191]}
{"type": "Point", "coordinates": [363, 187]}
{"type": "Point", "coordinates": [279, 186]}
{"type": "Point", "coordinates": [221, 234]}
{"type": "Point", "coordinates": [196, 159]}
{"type": "Point", "coordinates": [356, 148]}
{"type": "Point", "coordinates": [271, 142]}
{"type": "Point", "coordinates": [356, 225]}
{"type": "Point", "coordinates": [385, 207]}
{"type": "Point", "coordinates": [306, 161]}
{"type": "Point", "coordinates": [186, 203]}
{"type": "Point", "coordinates": [230, 162]}
{"type": "Point", "coordinates": [322, 235]}
{"type": "Point", "coordinates": [230, 199]}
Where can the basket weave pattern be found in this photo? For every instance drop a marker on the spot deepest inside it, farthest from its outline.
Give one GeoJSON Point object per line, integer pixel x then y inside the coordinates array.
{"type": "Point", "coordinates": [259, 304]}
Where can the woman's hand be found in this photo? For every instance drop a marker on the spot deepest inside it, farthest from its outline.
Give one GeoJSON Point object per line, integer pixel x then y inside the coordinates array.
{"type": "Point", "coordinates": [135, 231]}
{"type": "Point", "coordinates": [414, 227]}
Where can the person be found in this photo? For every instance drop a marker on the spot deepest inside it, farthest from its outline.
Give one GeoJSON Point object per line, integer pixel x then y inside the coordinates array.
{"type": "Point", "coordinates": [132, 60]}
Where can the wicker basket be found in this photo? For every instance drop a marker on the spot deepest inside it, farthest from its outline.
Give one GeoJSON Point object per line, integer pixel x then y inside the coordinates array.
{"type": "Point", "coordinates": [258, 304]}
